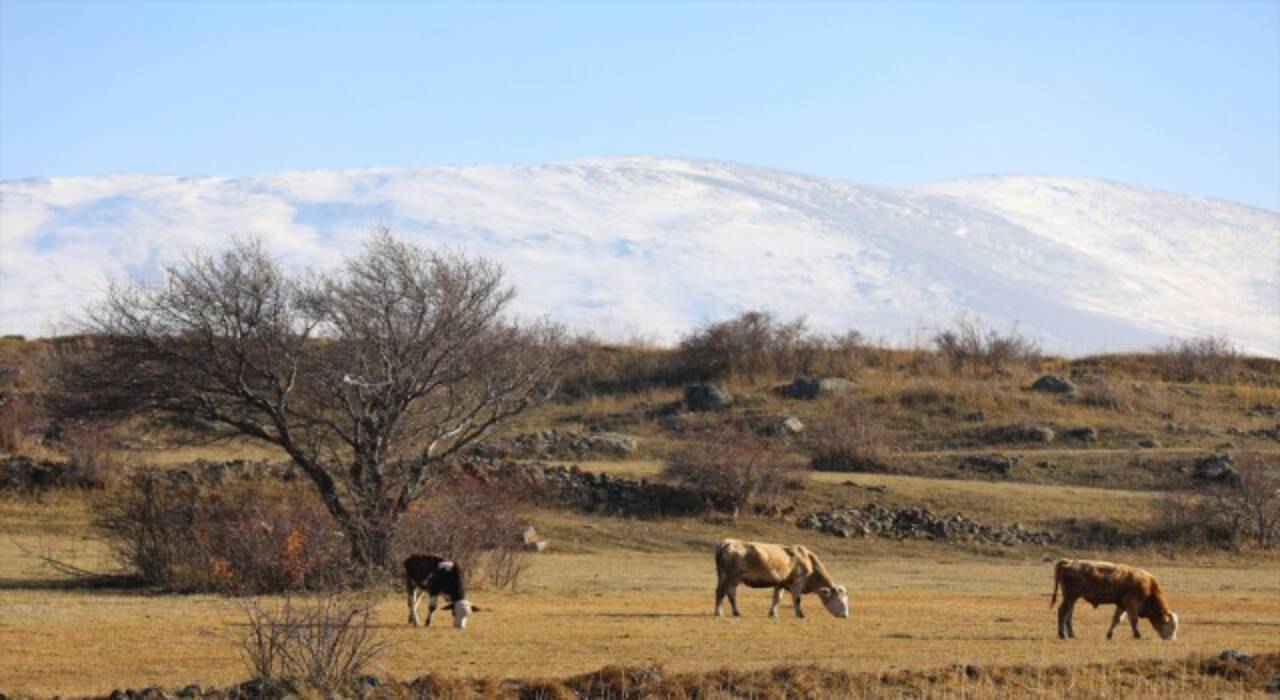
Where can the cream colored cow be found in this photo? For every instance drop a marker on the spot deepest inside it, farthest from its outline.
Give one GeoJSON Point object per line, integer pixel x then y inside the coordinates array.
{"type": "Point", "coordinates": [761, 565]}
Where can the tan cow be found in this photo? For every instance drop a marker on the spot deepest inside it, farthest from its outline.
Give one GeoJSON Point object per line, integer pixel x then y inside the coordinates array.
{"type": "Point", "coordinates": [1133, 591]}
{"type": "Point", "coordinates": [775, 566]}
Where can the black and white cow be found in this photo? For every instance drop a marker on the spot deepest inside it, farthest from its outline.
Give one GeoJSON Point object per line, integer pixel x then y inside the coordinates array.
{"type": "Point", "coordinates": [436, 576]}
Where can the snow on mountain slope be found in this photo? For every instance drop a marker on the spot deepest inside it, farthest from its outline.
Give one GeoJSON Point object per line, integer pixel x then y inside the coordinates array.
{"type": "Point", "coordinates": [654, 246]}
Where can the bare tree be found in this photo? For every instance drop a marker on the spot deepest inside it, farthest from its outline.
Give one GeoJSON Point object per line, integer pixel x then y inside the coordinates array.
{"type": "Point", "coordinates": [365, 377]}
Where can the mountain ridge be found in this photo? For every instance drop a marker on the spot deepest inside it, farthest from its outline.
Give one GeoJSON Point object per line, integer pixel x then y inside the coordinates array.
{"type": "Point", "coordinates": [652, 246]}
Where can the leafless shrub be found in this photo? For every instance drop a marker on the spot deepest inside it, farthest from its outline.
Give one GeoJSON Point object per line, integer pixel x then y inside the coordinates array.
{"type": "Point", "coordinates": [845, 440]}
{"type": "Point", "coordinates": [737, 466]}
{"type": "Point", "coordinates": [326, 643]}
{"type": "Point", "coordinates": [1228, 515]}
{"type": "Point", "coordinates": [475, 524]}
{"type": "Point", "coordinates": [170, 532]}
{"type": "Point", "coordinates": [16, 418]}
{"type": "Point", "coordinates": [1203, 359]}
{"type": "Point", "coordinates": [969, 345]}
{"type": "Point", "coordinates": [755, 345]}
{"type": "Point", "coordinates": [91, 447]}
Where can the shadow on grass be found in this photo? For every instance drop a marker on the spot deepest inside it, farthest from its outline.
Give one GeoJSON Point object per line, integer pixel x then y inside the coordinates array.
{"type": "Point", "coordinates": [102, 582]}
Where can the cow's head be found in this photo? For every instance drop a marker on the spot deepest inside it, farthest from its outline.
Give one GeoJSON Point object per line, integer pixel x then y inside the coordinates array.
{"type": "Point", "coordinates": [835, 599]}
{"type": "Point", "coordinates": [462, 609]}
{"type": "Point", "coordinates": [1167, 626]}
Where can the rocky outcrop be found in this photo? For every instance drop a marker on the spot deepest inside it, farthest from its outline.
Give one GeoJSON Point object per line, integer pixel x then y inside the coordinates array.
{"type": "Point", "coordinates": [707, 397]}
{"type": "Point", "coordinates": [1216, 469]}
{"type": "Point", "coordinates": [569, 486]}
{"type": "Point", "coordinates": [1053, 384]}
{"type": "Point", "coordinates": [557, 444]}
{"type": "Point", "coordinates": [918, 523]}
{"type": "Point", "coordinates": [809, 388]}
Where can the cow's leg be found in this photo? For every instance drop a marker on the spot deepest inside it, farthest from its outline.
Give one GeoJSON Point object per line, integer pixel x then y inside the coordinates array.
{"type": "Point", "coordinates": [1131, 609]}
{"type": "Point", "coordinates": [1115, 620]}
{"type": "Point", "coordinates": [733, 599]}
{"type": "Point", "coordinates": [777, 598]}
{"type": "Point", "coordinates": [797, 589]}
{"type": "Point", "coordinates": [720, 594]}
{"type": "Point", "coordinates": [1065, 611]}
{"type": "Point", "coordinates": [411, 593]}
{"type": "Point", "coordinates": [431, 608]}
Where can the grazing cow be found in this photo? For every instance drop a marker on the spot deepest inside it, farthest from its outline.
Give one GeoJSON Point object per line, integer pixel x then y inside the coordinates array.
{"type": "Point", "coordinates": [437, 576]}
{"type": "Point", "coordinates": [775, 566]}
{"type": "Point", "coordinates": [1133, 591]}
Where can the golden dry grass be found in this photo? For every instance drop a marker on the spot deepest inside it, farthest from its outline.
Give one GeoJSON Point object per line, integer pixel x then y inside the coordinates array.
{"type": "Point", "coordinates": [917, 606]}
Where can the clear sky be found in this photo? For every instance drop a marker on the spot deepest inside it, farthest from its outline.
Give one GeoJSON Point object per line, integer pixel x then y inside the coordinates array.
{"type": "Point", "coordinates": [1183, 96]}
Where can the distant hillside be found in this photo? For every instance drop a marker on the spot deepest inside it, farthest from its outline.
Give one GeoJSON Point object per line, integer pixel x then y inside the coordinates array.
{"type": "Point", "coordinates": [653, 246]}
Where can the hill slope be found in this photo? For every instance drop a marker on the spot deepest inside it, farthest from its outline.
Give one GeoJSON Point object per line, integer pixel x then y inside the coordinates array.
{"type": "Point", "coordinates": [653, 246]}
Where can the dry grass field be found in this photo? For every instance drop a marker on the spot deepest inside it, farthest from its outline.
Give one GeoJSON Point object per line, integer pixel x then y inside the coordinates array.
{"type": "Point", "coordinates": [622, 592]}
{"type": "Point", "coordinates": [614, 591]}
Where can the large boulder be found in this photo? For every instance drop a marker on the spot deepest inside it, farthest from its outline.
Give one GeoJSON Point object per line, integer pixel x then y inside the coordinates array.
{"type": "Point", "coordinates": [707, 397]}
{"type": "Point", "coordinates": [809, 388]}
{"type": "Point", "coordinates": [1053, 384]}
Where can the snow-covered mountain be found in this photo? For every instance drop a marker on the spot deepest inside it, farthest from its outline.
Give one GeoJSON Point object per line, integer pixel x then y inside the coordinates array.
{"type": "Point", "coordinates": [653, 246]}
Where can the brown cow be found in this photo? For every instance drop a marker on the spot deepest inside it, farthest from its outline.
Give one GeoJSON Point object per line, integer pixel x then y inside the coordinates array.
{"type": "Point", "coordinates": [760, 565]}
{"type": "Point", "coordinates": [1133, 591]}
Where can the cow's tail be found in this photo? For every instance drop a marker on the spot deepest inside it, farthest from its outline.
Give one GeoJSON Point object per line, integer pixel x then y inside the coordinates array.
{"type": "Point", "coordinates": [720, 562]}
{"type": "Point", "coordinates": [1058, 568]}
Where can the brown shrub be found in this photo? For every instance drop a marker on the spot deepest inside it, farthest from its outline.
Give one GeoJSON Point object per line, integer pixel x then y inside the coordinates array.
{"type": "Point", "coordinates": [326, 643]}
{"type": "Point", "coordinates": [971, 346]}
{"type": "Point", "coordinates": [845, 440]}
{"type": "Point", "coordinates": [755, 345]}
{"type": "Point", "coordinates": [1203, 359]}
{"type": "Point", "coordinates": [473, 523]}
{"type": "Point", "coordinates": [170, 532]}
{"type": "Point", "coordinates": [737, 466]}
{"type": "Point", "coordinates": [1225, 515]}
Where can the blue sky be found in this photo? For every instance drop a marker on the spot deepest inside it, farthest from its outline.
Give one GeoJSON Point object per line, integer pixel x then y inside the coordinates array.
{"type": "Point", "coordinates": [1179, 96]}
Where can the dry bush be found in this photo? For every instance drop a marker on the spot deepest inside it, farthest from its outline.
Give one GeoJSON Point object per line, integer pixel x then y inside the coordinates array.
{"type": "Point", "coordinates": [755, 346]}
{"type": "Point", "coordinates": [170, 532]}
{"type": "Point", "coordinates": [1225, 515]}
{"type": "Point", "coordinates": [598, 368]}
{"type": "Point", "coordinates": [971, 346]}
{"type": "Point", "coordinates": [475, 524]}
{"type": "Point", "coordinates": [16, 419]}
{"type": "Point", "coordinates": [326, 643]}
{"type": "Point", "coordinates": [845, 439]}
{"type": "Point", "coordinates": [735, 465]}
{"type": "Point", "coordinates": [1203, 359]}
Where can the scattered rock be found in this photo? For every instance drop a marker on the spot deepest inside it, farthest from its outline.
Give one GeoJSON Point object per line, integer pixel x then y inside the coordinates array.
{"type": "Point", "coordinates": [975, 417]}
{"type": "Point", "coordinates": [1082, 434]}
{"type": "Point", "coordinates": [917, 523]}
{"type": "Point", "coordinates": [530, 541]}
{"type": "Point", "coordinates": [591, 492]}
{"type": "Point", "coordinates": [1053, 384]}
{"type": "Point", "coordinates": [991, 464]}
{"type": "Point", "coordinates": [1234, 655]}
{"type": "Point", "coordinates": [707, 397]}
{"type": "Point", "coordinates": [1218, 469]}
{"type": "Point", "coordinates": [557, 444]}
{"type": "Point", "coordinates": [1149, 443]}
{"type": "Point", "coordinates": [809, 388]}
{"type": "Point", "coordinates": [1018, 433]}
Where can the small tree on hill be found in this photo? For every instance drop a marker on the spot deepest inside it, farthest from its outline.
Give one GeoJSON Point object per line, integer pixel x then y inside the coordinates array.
{"type": "Point", "coordinates": [365, 377]}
